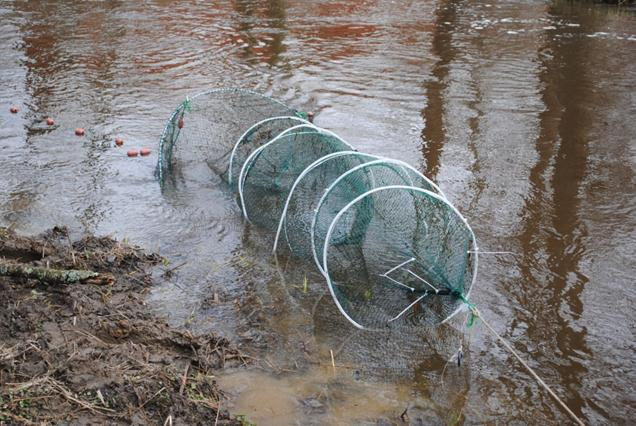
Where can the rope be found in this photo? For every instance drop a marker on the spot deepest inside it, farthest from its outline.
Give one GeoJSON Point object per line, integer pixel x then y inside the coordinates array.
{"type": "Point", "coordinates": [474, 311]}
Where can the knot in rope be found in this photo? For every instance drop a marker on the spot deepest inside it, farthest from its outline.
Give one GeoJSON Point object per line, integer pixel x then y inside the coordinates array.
{"type": "Point", "coordinates": [471, 307]}
{"type": "Point", "coordinates": [186, 105]}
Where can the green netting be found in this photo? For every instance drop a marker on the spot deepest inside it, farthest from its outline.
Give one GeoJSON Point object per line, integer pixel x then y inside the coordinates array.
{"type": "Point", "coordinates": [207, 126]}
{"type": "Point", "coordinates": [270, 171]}
{"type": "Point", "coordinates": [398, 256]}
{"type": "Point", "coordinates": [255, 137]}
{"type": "Point", "coordinates": [296, 219]}
{"type": "Point", "coordinates": [352, 183]}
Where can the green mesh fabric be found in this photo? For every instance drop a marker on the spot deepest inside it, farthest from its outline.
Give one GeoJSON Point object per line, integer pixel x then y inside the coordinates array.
{"type": "Point", "coordinates": [398, 256]}
{"type": "Point", "coordinates": [212, 122]}
{"type": "Point", "coordinates": [295, 223]}
{"type": "Point", "coordinates": [270, 172]}
{"type": "Point", "coordinates": [352, 183]}
{"type": "Point", "coordinates": [255, 137]}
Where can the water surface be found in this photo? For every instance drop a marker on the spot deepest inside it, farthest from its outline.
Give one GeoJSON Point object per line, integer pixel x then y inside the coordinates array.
{"type": "Point", "coordinates": [522, 112]}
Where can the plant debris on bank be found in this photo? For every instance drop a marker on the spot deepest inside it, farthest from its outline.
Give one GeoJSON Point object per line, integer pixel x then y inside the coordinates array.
{"type": "Point", "coordinates": [92, 352]}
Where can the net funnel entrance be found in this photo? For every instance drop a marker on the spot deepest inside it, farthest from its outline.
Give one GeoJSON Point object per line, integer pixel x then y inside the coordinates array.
{"type": "Point", "coordinates": [255, 137]}
{"type": "Point", "coordinates": [206, 127]}
{"type": "Point", "coordinates": [407, 267]}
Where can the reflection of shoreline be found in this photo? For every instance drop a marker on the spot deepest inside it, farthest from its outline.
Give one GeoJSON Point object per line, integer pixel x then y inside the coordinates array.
{"type": "Point", "coordinates": [553, 232]}
{"type": "Point", "coordinates": [434, 132]}
{"type": "Point", "coordinates": [259, 45]}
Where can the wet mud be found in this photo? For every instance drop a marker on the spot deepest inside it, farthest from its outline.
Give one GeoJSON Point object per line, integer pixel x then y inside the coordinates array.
{"type": "Point", "coordinates": [95, 354]}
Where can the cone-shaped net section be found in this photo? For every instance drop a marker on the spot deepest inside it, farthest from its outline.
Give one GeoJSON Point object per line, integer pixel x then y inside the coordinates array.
{"type": "Point", "coordinates": [302, 201]}
{"type": "Point", "coordinates": [207, 126]}
{"type": "Point", "coordinates": [351, 184]}
{"type": "Point", "coordinates": [398, 256]}
{"type": "Point", "coordinates": [255, 137]}
{"type": "Point", "coordinates": [270, 171]}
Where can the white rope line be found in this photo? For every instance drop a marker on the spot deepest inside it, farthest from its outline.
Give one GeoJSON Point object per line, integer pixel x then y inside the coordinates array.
{"type": "Point", "coordinates": [408, 307]}
{"type": "Point", "coordinates": [400, 265]}
{"type": "Point", "coordinates": [528, 368]}
{"type": "Point", "coordinates": [492, 252]}
{"type": "Point", "coordinates": [423, 280]}
{"type": "Point", "coordinates": [397, 282]}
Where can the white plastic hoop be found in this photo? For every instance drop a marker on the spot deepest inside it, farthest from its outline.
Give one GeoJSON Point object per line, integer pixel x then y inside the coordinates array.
{"type": "Point", "coordinates": [256, 152]}
{"type": "Point", "coordinates": [253, 128]}
{"type": "Point", "coordinates": [247, 165]}
{"type": "Point", "coordinates": [304, 173]}
{"type": "Point", "coordinates": [358, 199]}
{"type": "Point", "coordinates": [380, 160]}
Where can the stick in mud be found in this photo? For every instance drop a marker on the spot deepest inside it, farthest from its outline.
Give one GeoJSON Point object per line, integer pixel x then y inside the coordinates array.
{"type": "Point", "coordinates": [54, 276]}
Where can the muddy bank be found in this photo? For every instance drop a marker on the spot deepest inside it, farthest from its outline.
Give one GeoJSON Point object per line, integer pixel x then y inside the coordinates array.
{"type": "Point", "coordinates": [89, 353]}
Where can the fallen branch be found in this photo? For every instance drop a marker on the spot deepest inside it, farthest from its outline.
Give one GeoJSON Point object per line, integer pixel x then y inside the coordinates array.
{"type": "Point", "coordinates": [54, 276]}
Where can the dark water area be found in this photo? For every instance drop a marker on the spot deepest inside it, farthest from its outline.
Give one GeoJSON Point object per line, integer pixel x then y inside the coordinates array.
{"type": "Point", "coordinates": [522, 112]}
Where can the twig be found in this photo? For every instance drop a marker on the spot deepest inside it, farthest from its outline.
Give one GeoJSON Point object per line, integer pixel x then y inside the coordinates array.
{"type": "Point", "coordinates": [171, 270]}
{"type": "Point", "coordinates": [66, 394]}
{"type": "Point", "coordinates": [91, 336]}
{"type": "Point", "coordinates": [218, 410]}
{"type": "Point", "coordinates": [153, 397]}
{"type": "Point", "coordinates": [19, 419]}
{"type": "Point", "coordinates": [70, 244]}
{"type": "Point", "coordinates": [184, 379]}
{"type": "Point", "coordinates": [333, 362]}
{"type": "Point", "coordinates": [54, 276]}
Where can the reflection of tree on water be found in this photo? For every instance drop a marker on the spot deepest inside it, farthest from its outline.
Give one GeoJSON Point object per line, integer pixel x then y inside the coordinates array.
{"type": "Point", "coordinates": [434, 133]}
{"type": "Point", "coordinates": [447, 399]}
{"type": "Point", "coordinates": [552, 235]}
{"type": "Point", "coordinates": [263, 27]}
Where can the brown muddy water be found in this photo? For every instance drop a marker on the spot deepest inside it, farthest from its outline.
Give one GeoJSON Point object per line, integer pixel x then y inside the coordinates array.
{"type": "Point", "coordinates": [522, 112]}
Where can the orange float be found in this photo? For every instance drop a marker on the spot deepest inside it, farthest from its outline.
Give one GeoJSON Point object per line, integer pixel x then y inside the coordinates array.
{"type": "Point", "coordinates": [13, 109]}
{"type": "Point", "coordinates": [119, 141]}
{"type": "Point", "coordinates": [144, 151]}
{"type": "Point", "coordinates": [180, 123]}
{"type": "Point", "coordinates": [132, 153]}
{"type": "Point", "coordinates": [79, 131]}
{"type": "Point", "coordinates": [50, 121]}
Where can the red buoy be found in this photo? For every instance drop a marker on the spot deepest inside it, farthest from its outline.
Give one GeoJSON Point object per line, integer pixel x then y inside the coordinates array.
{"type": "Point", "coordinates": [144, 151]}
{"type": "Point", "coordinates": [132, 153]}
{"type": "Point", "coordinates": [119, 141]}
{"type": "Point", "coordinates": [180, 123]}
{"type": "Point", "coordinates": [50, 121]}
{"type": "Point", "coordinates": [79, 131]}
{"type": "Point", "coordinates": [13, 109]}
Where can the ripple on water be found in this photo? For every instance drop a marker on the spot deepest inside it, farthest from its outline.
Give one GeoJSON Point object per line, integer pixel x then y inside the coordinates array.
{"type": "Point", "coordinates": [520, 111]}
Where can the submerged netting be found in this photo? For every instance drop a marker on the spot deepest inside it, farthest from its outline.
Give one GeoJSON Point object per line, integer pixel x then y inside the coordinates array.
{"type": "Point", "coordinates": [397, 255]}
{"type": "Point", "coordinates": [394, 252]}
